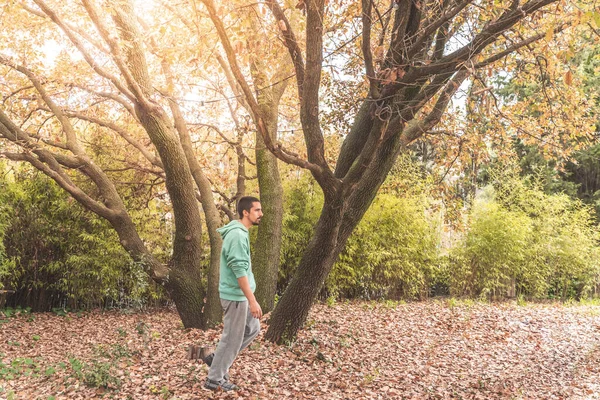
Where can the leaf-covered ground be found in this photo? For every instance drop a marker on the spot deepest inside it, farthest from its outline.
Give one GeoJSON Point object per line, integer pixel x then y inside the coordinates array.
{"type": "Point", "coordinates": [432, 350]}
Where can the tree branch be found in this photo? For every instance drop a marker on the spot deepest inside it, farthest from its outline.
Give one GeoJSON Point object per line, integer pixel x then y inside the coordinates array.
{"type": "Point", "coordinates": [517, 46]}
{"type": "Point", "coordinates": [435, 25]}
{"type": "Point", "coordinates": [290, 42]}
{"type": "Point", "coordinates": [67, 128]}
{"type": "Point", "coordinates": [110, 96]}
{"type": "Point", "coordinates": [487, 36]}
{"type": "Point", "coordinates": [276, 149]}
{"type": "Point", "coordinates": [415, 130]}
{"type": "Point", "coordinates": [121, 132]}
{"type": "Point", "coordinates": [366, 45]}
{"type": "Point", "coordinates": [66, 184]}
{"type": "Point", "coordinates": [79, 45]}
{"type": "Point", "coordinates": [139, 86]}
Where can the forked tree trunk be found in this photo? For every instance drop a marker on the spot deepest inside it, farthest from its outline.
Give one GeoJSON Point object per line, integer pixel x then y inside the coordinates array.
{"type": "Point", "coordinates": [339, 218]}
{"type": "Point", "coordinates": [185, 283]}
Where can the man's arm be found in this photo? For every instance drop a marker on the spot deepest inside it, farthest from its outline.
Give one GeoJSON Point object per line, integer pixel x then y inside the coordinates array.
{"type": "Point", "coordinates": [255, 309]}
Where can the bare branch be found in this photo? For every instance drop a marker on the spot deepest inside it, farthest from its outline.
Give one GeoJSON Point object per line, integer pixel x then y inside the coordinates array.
{"type": "Point", "coordinates": [59, 177]}
{"type": "Point", "coordinates": [366, 45]}
{"type": "Point", "coordinates": [72, 142]}
{"type": "Point", "coordinates": [487, 36]}
{"type": "Point", "coordinates": [69, 26]}
{"type": "Point", "coordinates": [230, 214]}
{"type": "Point", "coordinates": [139, 85]}
{"type": "Point", "coordinates": [430, 28]}
{"type": "Point", "coordinates": [15, 93]}
{"type": "Point", "coordinates": [276, 149]}
{"type": "Point", "coordinates": [517, 46]}
{"type": "Point", "coordinates": [121, 132]}
{"type": "Point", "coordinates": [111, 96]}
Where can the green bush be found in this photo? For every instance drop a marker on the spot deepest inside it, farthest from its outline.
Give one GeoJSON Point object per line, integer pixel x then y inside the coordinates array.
{"type": "Point", "coordinates": [523, 241]}
{"type": "Point", "coordinates": [393, 252]}
{"type": "Point", "coordinates": [563, 254]}
{"type": "Point", "coordinates": [303, 200]}
{"type": "Point", "coordinates": [56, 253]}
{"type": "Point", "coordinates": [493, 250]}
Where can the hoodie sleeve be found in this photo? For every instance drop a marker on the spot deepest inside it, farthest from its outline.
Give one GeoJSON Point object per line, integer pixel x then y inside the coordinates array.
{"type": "Point", "coordinates": [238, 254]}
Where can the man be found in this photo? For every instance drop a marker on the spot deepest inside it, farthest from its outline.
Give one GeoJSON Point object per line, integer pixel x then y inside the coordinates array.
{"type": "Point", "coordinates": [241, 311]}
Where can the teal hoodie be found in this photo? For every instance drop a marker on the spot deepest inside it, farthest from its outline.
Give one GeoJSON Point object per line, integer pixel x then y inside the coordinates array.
{"type": "Point", "coordinates": [235, 261]}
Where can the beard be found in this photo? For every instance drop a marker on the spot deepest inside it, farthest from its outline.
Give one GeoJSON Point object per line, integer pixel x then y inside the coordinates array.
{"type": "Point", "coordinates": [255, 223]}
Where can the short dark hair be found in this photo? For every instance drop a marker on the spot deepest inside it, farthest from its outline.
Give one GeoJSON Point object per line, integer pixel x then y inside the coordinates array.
{"type": "Point", "coordinates": [245, 203]}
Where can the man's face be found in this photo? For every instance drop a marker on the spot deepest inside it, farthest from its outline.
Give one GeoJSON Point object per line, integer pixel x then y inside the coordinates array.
{"type": "Point", "coordinates": [255, 213]}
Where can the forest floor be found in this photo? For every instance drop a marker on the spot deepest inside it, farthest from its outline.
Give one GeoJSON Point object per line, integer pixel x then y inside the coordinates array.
{"type": "Point", "coordinates": [439, 349]}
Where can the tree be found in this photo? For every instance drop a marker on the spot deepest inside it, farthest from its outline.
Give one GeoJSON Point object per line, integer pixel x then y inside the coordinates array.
{"type": "Point", "coordinates": [416, 56]}
{"type": "Point", "coordinates": [115, 70]}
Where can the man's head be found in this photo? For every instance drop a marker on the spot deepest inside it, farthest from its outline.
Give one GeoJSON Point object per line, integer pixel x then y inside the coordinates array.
{"type": "Point", "coordinates": [249, 210]}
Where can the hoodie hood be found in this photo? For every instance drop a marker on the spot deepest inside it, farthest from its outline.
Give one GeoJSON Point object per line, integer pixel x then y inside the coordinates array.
{"type": "Point", "coordinates": [233, 225]}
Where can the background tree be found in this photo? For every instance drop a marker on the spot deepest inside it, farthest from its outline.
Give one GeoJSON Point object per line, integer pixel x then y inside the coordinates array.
{"type": "Point", "coordinates": [43, 123]}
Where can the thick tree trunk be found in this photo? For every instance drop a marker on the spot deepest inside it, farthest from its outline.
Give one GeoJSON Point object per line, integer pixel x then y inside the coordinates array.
{"type": "Point", "coordinates": [212, 308]}
{"type": "Point", "coordinates": [185, 278]}
{"type": "Point", "coordinates": [322, 251]}
{"type": "Point", "coordinates": [186, 290]}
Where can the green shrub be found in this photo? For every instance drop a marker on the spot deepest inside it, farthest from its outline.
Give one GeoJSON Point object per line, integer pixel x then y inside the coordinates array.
{"type": "Point", "coordinates": [493, 250]}
{"type": "Point", "coordinates": [60, 253]}
{"type": "Point", "coordinates": [527, 242]}
{"type": "Point", "coordinates": [393, 252]}
{"type": "Point", "coordinates": [303, 200]}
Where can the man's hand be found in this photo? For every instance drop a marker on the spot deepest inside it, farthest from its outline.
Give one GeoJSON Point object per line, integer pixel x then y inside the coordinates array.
{"type": "Point", "coordinates": [255, 309]}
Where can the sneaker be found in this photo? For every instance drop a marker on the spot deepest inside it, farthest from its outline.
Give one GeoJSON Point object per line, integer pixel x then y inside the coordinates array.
{"type": "Point", "coordinates": [224, 385]}
{"type": "Point", "coordinates": [208, 359]}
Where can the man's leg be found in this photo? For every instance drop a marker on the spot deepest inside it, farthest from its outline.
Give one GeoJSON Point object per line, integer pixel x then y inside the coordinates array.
{"type": "Point", "coordinates": [234, 325]}
{"type": "Point", "coordinates": [251, 330]}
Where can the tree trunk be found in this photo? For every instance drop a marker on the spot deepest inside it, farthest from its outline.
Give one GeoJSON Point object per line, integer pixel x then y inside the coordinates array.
{"type": "Point", "coordinates": [266, 257]}
{"type": "Point", "coordinates": [185, 279]}
{"type": "Point", "coordinates": [212, 308]}
{"type": "Point", "coordinates": [265, 261]}
{"type": "Point", "coordinates": [318, 258]}
{"type": "Point", "coordinates": [339, 218]}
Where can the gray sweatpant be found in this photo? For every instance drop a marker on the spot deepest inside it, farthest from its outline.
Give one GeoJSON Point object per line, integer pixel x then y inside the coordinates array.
{"type": "Point", "coordinates": [239, 330]}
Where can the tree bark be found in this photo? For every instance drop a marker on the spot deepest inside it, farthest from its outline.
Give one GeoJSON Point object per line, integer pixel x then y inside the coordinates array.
{"type": "Point", "coordinates": [266, 257]}
{"type": "Point", "coordinates": [322, 251]}
{"type": "Point", "coordinates": [185, 280]}
{"type": "Point", "coordinates": [265, 261]}
{"type": "Point", "coordinates": [212, 308]}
